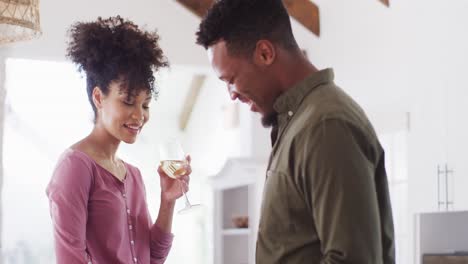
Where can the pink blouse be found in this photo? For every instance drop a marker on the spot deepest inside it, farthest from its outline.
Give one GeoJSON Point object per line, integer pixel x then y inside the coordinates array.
{"type": "Point", "coordinates": [100, 220]}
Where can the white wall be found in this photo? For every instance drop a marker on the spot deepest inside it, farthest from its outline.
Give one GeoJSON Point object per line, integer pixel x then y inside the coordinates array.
{"type": "Point", "coordinates": [381, 54]}
{"type": "Point", "coordinates": [2, 117]}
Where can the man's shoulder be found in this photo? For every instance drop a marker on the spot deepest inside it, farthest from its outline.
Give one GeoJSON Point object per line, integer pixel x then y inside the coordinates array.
{"type": "Point", "coordinates": [329, 102]}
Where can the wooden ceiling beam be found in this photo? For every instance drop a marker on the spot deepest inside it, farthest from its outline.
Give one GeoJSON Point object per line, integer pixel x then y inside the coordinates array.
{"type": "Point", "coordinates": [198, 7]}
{"type": "Point", "coordinates": [305, 12]}
{"type": "Point", "coordinates": [385, 2]}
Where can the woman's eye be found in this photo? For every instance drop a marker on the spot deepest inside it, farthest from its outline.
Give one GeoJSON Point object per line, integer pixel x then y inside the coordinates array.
{"type": "Point", "coordinates": [127, 103]}
{"type": "Point", "coordinates": [145, 107]}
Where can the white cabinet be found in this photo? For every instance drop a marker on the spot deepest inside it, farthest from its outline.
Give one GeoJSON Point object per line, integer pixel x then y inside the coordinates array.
{"type": "Point", "coordinates": [457, 140]}
{"type": "Point", "coordinates": [427, 149]}
{"type": "Point", "coordinates": [237, 193]}
{"type": "Point", "coordinates": [438, 138]}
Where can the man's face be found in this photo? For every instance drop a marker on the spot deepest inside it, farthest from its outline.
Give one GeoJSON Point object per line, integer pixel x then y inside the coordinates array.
{"type": "Point", "coordinates": [246, 80]}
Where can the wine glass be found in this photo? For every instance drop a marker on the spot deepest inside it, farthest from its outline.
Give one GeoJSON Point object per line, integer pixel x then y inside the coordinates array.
{"type": "Point", "coordinates": [173, 162]}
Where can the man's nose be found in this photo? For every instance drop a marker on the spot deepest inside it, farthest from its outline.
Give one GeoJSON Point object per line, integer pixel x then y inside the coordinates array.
{"type": "Point", "coordinates": [232, 92]}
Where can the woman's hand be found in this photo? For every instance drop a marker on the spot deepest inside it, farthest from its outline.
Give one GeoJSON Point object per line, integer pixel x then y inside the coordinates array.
{"type": "Point", "coordinates": [171, 189]}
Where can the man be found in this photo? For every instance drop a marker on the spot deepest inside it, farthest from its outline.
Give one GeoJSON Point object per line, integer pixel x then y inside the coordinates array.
{"type": "Point", "coordinates": [326, 196]}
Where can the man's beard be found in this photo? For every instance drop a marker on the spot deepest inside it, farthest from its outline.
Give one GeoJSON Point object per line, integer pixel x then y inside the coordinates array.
{"type": "Point", "coordinates": [270, 119]}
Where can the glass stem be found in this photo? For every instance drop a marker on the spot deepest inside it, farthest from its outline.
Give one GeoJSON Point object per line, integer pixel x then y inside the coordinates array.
{"type": "Point", "coordinates": [187, 202]}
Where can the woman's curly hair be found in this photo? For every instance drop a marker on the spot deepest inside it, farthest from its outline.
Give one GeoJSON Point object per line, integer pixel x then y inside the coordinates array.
{"type": "Point", "coordinates": [115, 49]}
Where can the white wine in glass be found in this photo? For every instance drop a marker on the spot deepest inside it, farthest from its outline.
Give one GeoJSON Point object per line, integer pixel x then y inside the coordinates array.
{"type": "Point", "coordinates": [174, 168]}
{"type": "Point", "coordinates": [173, 162]}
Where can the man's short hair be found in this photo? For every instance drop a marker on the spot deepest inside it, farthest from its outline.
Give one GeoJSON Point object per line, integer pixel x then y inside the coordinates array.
{"type": "Point", "coordinates": [242, 23]}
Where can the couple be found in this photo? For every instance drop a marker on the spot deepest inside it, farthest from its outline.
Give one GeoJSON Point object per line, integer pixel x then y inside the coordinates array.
{"type": "Point", "coordinates": [326, 198]}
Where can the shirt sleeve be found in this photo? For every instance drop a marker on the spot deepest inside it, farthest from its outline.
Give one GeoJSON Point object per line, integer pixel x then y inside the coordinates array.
{"type": "Point", "coordinates": [340, 190]}
{"type": "Point", "coordinates": [161, 243]}
{"type": "Point", "coordinates": [68, 193]}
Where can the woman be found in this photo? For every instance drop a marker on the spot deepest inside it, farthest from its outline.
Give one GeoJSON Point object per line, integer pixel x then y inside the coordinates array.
{"type": "Point", "coordinates": [97, 201]}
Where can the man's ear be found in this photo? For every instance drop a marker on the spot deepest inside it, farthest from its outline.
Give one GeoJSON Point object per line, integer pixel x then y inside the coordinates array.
{"type": "Point", "coordinates": [265, 53]}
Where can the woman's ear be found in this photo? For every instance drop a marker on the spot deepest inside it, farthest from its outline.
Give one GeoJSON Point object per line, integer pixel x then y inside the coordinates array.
{"type": "Point", "coordinates": [97, 97]}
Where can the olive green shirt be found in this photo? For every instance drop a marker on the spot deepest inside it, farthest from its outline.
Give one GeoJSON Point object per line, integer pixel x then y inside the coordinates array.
{"type": "Point", "coordinates": [326, 197]}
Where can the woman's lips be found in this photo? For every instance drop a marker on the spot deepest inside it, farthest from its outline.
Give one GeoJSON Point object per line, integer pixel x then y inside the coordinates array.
{"type": "Point", "coordinates": [133, 129]}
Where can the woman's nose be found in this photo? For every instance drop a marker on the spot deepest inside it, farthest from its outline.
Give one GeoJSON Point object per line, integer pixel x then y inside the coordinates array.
{"type": "Point", "coordinates": [138, 114]}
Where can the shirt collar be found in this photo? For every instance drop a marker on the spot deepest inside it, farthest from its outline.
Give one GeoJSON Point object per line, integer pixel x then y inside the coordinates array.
{"type": "Point", "coordinates": [292, 98]}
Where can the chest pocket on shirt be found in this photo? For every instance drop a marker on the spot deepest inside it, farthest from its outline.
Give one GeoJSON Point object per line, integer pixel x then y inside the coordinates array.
{"type": "Point", "coordinates": [275, 214]}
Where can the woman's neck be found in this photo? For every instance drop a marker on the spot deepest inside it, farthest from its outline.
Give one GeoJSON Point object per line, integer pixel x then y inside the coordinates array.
{"type": "Point", "coordinates": [102, 144]}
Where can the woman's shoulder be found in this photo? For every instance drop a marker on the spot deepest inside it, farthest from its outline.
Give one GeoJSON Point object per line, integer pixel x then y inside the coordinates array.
{"type": "Point", "coordinates": [72, 171]}
{"type": "Point", "coordinates": [75, 157]}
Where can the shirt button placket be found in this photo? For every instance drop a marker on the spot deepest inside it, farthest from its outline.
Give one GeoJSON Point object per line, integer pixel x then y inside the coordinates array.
{"type": "Point", "coordinates": [130, 227]}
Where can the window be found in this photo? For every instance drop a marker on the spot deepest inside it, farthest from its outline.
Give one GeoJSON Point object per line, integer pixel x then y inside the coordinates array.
{"type": "Point", "coordinates": [396, 157]}
{"type": "Point", "coordinates": [46, 110]}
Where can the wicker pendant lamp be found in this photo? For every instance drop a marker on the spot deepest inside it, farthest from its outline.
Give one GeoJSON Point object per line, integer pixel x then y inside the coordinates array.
{"type": "Point", "coordinates": [19, 20]}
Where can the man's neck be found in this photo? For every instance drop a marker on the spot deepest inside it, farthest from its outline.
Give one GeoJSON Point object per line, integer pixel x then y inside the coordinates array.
{"type": "Point", "coordinates": [296, 68]}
